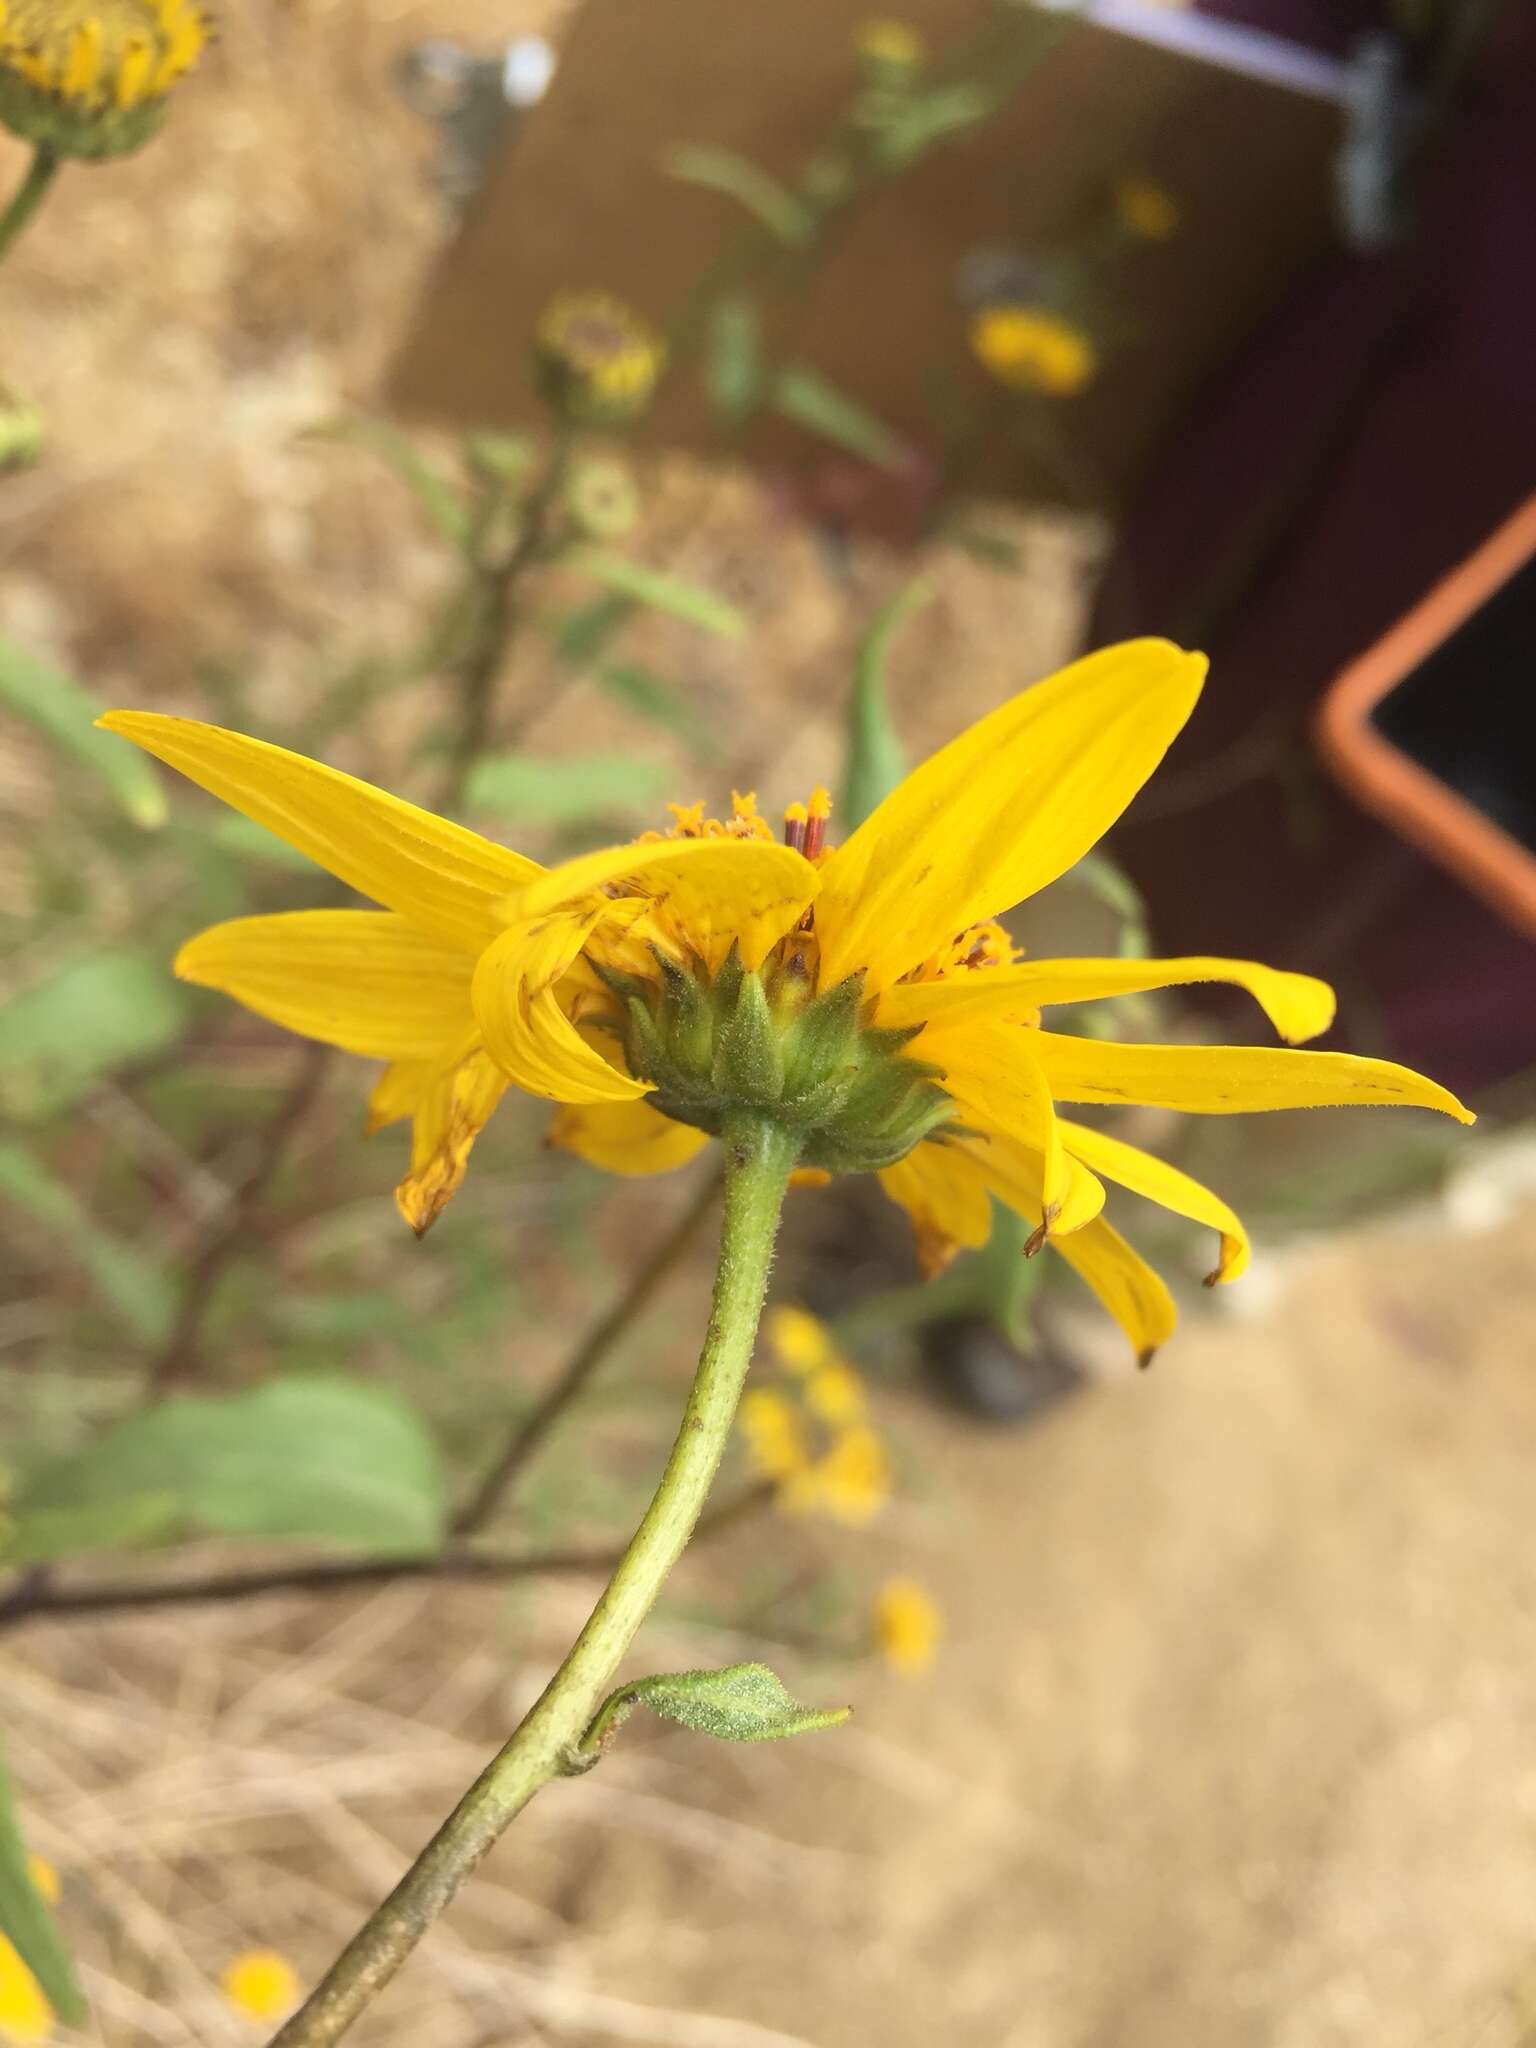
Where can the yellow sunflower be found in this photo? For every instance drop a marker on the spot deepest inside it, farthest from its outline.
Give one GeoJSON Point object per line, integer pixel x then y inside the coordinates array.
{"type": "Point", "coordinates": [860, 997]}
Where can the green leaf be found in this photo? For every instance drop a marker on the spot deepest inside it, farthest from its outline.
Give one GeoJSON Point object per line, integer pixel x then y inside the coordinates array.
{"type": "Point", "coordinates": [995, 550]}
{"type": "Point", "coordinates": [1006, 1281]}
{"type": "Point", "coordinates": [43, 1535]}
{"type": "Point", "coordinates": [1107, 882]}
{"type": "Point", "coordinates": [566, 792]}
{"type": "Point", "coordinates": [432, 491]}
{"type": "Point", "coordinates": [743, 1703]}
{"type": "Point", "coordinates": [735, 372]}
{"type": "Point", "coordinates": [54, 704]}
{"type": "Point", "coordinates": [803, 395]}
{"type": "Point", "coordinates": [770, 204]}
{"type": "Point", "coordinates": [926, 118]}
{"type": "Point", "coordinates": [653, 697]}
{"type": "Point", "coordinates": [877, 760]}
{"type": "Point", "coordinates": [585, 634]}
{"type": "Point", "coordinates": [302, 1458]}
{"type": "Point", "coordinates": [245, 840]}
{"type": "Point", "coordinates": [100, 1011]}
{"type": "Point", "coordinates": [661, 592]}
{"type": "Point", "coordinates": [26, 1921]}
{"type": "Point", "coordinates": [135, 1290]}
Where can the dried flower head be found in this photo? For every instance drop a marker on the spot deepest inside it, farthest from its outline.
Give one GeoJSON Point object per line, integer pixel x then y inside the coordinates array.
{"type": "Point", "coordinates": [1030, 349]}
{"type": "Point", "coordinates": [595, 359]}
{"type": "Point", "coordinates": [1147, 209]}
{"type": "Point", "coordinates": [90, 78]}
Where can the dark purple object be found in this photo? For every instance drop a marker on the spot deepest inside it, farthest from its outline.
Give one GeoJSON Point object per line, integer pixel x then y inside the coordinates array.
{"type": "Point", "coordinates": [1378, 429]}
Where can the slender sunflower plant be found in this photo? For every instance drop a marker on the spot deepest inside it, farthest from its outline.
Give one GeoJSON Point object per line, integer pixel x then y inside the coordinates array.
{"type": "Point", "coordinates": [847, 1009]}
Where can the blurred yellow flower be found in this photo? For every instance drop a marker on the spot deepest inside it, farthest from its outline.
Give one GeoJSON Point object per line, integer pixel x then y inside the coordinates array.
{"type": "Point", "coordinates": [597, 361]}
{"type": "Point", "coordinates": [801, 1342]}
{"type": "Point", "coordinates": [776, 1445]}
{"type": "Point", "coordinates": [890, 44]}
{"type": "Point", "coordinates": [1147, 209]}
{"type": "Point", "coordinates": [907, 1626]}
{"type": "Point", "coordinates": [1029, 349]}
{"type": "Point", "coordinates": [90, 77]}
{"type": "Point", "coordinates": [851, 1483]}
{"type": "Point", "coordinates": [834, 1393]}
{"type": "Point", "coordinates": [260, 1983]}
{"type": "Point", "coordinates": [26, 2017]}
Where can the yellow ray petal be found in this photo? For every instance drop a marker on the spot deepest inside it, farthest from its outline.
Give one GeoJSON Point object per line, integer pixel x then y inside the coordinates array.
{"type": "Point", "coordinates": [525, 1028]}
{"type": "Point", "coordinates": [450, 1116]}
{"type": "Point", "coordinates": [1015, 1173]}
{"type": "Point", "coordinates": [1127, 1286]}
{"type": "Point", "coordinates": [1129, 1167]}
{"type": "Point", "coordinates": [1222, 1080]}
{"type": "Point", "coordinates": [1298, 1005]}
{"type": "Point", "coordinates": [1002, 810]}
{"type": "Point", "coordinates": [625, 1137]}
{"type": "Point", "coordinates": [441, 876]}
{"type": "Point", "coordinates": [402, 1087]}
{"type": "Point", "coordinates": [712, 892]}
{"type": "Point", "coordinates": [992, 1072]}
{"type": "Point", "coordinates": [361, 979]}
{"type": "Point", "coordinates": [945, 1196]}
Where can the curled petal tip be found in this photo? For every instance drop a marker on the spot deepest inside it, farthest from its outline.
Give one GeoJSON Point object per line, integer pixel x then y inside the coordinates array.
{"type": "Point", "coordinates": [1034, 1244]}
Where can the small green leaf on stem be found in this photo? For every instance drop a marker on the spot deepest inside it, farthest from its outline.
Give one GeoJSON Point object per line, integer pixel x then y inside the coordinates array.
{"type": "Point", "coordinates": [803, 395]}
{"type": "Point", "coordinates": [768, 202]}
{"type": "Point", "coordinates": [25, 1920]}
{"type": "Point", "coordinates": [743, 1703]}
{"type": "Point", "coordinates": [661, 592]}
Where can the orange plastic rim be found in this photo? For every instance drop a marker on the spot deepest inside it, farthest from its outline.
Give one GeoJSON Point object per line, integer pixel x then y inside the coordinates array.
{"type": "Point", "coordinates": [1413, 802]}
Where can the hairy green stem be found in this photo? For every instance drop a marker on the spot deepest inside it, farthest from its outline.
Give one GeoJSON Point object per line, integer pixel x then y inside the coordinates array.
{"type": "Point", "coordinates": [27, 197]}
{"type": "Point", "coordinates": [759, 1158]}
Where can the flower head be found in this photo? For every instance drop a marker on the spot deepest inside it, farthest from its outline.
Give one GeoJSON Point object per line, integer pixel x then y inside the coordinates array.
{"type": "Point", "coordinates": [1147, 209]}
{"type": "Point", "coordinates": [595, 359]}
{"type": "Point", "coordinates": [261, 1983]}
{"type": "Point", "coordinates": [907, 1626]}
{"type": "Point", "coordinates": [90, 78]}
{"type": "Point", "coordinates": [862, 996]}
{"type": "Point", "coordinates": [1030, 349]}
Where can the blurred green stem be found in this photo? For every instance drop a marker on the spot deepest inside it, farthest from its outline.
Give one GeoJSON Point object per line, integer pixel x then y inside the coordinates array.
{"type": "Point", "coordinates": [488, 616]}
{"type": "Point", "coordinates": [759, 1158]}
{"type": "Point", "coordinates": [27, 198]}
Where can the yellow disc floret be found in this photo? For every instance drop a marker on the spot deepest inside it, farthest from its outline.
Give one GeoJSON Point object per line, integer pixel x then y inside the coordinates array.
{"type": "Point", "coordinates": [89, 78]}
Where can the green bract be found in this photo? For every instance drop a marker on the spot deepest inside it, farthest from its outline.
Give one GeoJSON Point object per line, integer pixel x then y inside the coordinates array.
{"type": "Point", "coordinates": [763, 1041]}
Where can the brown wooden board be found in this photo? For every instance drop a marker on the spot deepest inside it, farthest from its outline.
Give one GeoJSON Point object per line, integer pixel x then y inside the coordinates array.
{"type": "Point", "coordinates": [579, 198]}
